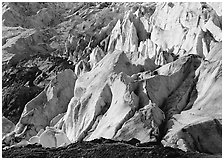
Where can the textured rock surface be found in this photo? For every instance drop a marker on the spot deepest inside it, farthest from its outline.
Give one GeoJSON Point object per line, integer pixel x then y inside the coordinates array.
{"type": "Point", "coordinates": [140, 72]}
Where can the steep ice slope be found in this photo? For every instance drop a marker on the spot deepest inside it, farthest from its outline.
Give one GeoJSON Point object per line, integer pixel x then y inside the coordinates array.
{"type": "Point", "coordinates": [93, 96]}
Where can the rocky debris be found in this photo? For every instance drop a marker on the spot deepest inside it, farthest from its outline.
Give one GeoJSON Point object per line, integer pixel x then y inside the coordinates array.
{"type": "Point", "coordinates": [7, 126]}
{"type": "Point", "coordinates": [101, 150]}
{"type": "Point", "coordinates": [38, 113]}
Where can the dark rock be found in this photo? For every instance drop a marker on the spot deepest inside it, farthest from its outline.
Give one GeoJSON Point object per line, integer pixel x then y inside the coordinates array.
{"type": "Point", "coordinates": [100, 150]}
